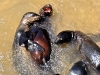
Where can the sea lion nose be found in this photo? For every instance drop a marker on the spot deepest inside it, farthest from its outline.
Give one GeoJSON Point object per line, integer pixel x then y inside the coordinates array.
{"type": "Point", "coordinates": [46, 11]}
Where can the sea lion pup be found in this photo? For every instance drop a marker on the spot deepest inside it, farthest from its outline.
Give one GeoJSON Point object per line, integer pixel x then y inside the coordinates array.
{"type": "Point", "coordinates": [32, 44]}
{"type": "Point", "coordinates": [89, 50]}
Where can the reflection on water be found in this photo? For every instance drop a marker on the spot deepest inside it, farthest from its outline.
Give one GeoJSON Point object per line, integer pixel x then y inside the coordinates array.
{"type": "Point", "coordinates": [68, 15]}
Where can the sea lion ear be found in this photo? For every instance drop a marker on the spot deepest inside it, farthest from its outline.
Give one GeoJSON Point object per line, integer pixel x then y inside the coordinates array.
{"type": "Point", "coordinates": [29, 14]}
{"type": "Point", "coordinates": [30, 17]}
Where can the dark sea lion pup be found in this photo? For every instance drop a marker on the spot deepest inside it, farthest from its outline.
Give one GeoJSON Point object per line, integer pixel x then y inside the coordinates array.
{"type": "Point", "coordinates": [78, 68]}
{"type": "Point", "coordinates": [89, 49]}
{"type": "Point", "coordinates": [35, 39]}
{"type": "Point", "coordinates": [32, 40]}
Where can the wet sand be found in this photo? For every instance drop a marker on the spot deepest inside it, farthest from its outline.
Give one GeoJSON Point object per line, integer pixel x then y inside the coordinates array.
{"type": "Point", "coordinates": [68, 15]}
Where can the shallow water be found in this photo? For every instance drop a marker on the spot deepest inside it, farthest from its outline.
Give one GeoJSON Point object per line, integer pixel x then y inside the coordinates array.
{"type": "Point", "coordinates": [68, 15]}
